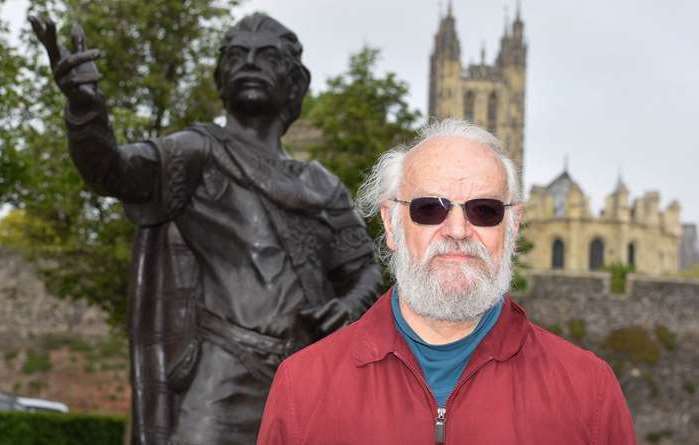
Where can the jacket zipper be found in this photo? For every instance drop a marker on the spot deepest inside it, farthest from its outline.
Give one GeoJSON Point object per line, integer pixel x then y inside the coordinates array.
{"type": "Point", "coordinates": [440, 422]}
{"type": "Point", "coordinates": [422, 382]}
{"type": "Point", "coordinates": [439, 425]}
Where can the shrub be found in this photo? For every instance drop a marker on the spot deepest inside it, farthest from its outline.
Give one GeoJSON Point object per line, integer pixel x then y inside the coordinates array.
{"type": "Point", "coordinates": [634, 344]}
{"type": "Point", "coordinates": [113, 346]}
{"type": "Point", "coordinates": [657, 436]}
{"type": "Point", "coordinates": [576, 329]}
{"type": "Point", "coordinates": [690, 387]}
{"type": "Point", "coordinates": [519, 282]}
{"type": "Point", "coordinates": [10, 356]}
{"type": "Point", "coordinates": [555, 328]}
{"type": "Point", "coordinates": [666, 337]}
{"type": "Point", "coordinates": [36, 386]}
{"type": "Point", "coordinates": [57, 341]}
{"type": "Point", "coordinates": [36, 361]}
{"type": "Point", "coordinates": [19, 428]}
{"type": "Point", "coordinates": [618, 273]}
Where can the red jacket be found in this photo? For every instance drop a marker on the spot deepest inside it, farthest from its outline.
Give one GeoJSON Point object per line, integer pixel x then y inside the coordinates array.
{"type": "Point", "coordinates": [523, 385]}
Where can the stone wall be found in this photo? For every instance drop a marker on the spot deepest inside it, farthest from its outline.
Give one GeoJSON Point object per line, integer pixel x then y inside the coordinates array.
{"type": "Point", "coordinates": [28, 310]}
{"type": "Point", "coordinates": [663, 395]}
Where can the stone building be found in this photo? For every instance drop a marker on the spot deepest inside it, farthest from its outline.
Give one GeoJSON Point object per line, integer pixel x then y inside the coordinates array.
{"type": "Point", "coordinates": [490, 95]}
{"type": "Point", "coordinates": [567, 236]}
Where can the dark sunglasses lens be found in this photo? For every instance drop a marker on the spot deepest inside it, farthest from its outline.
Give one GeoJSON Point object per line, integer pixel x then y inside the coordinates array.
{"type": "Point", "coordinates": [429, 210]}
{"type": "Point", "coordinates": [485, 212]}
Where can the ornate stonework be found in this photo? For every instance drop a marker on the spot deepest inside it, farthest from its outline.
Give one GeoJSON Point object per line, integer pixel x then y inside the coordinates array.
{"type": "Point", "coordinates": [567, 236]}
{"type": "Point", "coordinates": [490, 95]}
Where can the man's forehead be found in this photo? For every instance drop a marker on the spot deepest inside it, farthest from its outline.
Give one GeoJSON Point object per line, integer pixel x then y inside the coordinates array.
{"type": "Point", "coordinates": [454, 166]}
{"type": "Point", "coordinates": [256, 39]}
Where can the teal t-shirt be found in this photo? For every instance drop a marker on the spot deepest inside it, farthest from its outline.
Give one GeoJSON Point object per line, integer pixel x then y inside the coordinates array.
{"type": "Point", "coordinates": [442, 365]}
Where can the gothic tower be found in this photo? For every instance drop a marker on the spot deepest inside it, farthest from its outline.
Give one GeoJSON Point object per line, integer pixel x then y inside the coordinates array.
{"type": "Point", "coordinates": [490, 95]}
{"type": "Point", "coordinates": [445, 70]}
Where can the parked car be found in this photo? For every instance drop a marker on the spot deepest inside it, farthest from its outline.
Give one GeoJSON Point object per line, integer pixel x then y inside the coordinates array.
{"type": "Point", "coordinates": [11, 402]}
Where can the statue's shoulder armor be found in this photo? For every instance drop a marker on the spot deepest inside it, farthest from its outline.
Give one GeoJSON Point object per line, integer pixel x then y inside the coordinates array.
{"type": "Point", "coordinates": [190, 142]}
{"type": "Point", "coordinates": [182, 157]}
{"type": "Point", "coordinates": [211, 132]}
{"type": "Point", "coordinates": [340, 212]}
{"type": "Point", "coordinates": [341, 198]}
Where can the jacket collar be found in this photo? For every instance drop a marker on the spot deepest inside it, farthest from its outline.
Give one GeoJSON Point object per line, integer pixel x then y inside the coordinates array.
{"type": "Point", "coordinates": [378, 335]}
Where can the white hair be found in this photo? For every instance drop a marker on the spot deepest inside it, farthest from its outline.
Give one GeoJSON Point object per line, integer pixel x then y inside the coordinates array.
{"type": "Point", "coordinates": [385, 177]}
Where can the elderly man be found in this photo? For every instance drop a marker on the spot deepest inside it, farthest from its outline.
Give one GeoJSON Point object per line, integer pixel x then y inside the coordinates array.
{"type": "Point", "coordinates": [446, 356]}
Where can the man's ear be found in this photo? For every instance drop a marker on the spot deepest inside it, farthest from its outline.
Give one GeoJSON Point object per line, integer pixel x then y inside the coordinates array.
{"type": "Point", "coordinates": [387, 227]}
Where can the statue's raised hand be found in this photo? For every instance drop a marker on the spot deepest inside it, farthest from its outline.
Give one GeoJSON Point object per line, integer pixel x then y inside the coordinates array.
{"type": "Point", "coordinates": [75, 72]}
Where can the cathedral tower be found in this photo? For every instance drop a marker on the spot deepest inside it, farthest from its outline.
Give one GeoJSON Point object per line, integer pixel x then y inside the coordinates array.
{"type": "Point", "coordinates": [445, 69]}
{"type": "Point", "coordinates": [490, 95]}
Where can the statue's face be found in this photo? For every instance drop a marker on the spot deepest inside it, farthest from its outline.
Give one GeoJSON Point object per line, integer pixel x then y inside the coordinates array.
{"type": "Point", "coordinates": [255, 74]}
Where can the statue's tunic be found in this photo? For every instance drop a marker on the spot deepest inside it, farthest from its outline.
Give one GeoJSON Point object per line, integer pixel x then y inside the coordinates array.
{"type": "Point", "coordinates": [246, 275]}
{"type": "Point", "coordinates": [267, 235]}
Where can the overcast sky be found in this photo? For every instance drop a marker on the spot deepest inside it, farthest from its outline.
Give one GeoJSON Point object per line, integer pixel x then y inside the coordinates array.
{"type": "Point", "coordinates": [614, 86]}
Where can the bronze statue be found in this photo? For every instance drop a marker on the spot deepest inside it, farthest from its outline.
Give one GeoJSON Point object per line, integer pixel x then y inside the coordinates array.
{"type": "Point", "coordinates": [243, 255]}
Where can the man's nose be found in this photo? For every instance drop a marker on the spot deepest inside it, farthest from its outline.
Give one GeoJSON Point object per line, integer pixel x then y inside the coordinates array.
{"type": "Point", "coordinates": [456, 225]}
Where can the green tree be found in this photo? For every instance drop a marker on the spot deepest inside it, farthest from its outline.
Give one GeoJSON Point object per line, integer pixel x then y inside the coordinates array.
{"type": "Point", "coordinates": [522, 247]}
{"type": "Point", "coordinates": [13, 103]}
{"type": "Point", "coordinates": [361, 115]}
{"type": "Point", "coordinates": [157, 67]}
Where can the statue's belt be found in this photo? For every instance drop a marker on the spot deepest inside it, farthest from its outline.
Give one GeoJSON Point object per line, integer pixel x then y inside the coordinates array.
{"type": "Point", "coordinates": [231, 337]}
{"type": "Point", "coordinates": [259, 353]}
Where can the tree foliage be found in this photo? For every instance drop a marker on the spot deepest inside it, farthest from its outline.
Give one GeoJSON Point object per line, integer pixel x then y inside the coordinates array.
{"type": "Point", "coordinates": [157, 70]}
{"type": "Point", "coordinates": [361, 115]}
{"type": "Point", "coordinates": [13, 103]}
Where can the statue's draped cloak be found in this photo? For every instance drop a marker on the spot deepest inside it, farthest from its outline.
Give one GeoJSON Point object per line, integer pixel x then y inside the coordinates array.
{"type": "Point", "coordinates": [308, 208]}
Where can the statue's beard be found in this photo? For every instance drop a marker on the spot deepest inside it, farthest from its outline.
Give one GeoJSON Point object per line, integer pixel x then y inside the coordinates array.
{"type": "Point", "coordinates": [451, 291]}
{"type": "Point", "coordinates": [250, 101]}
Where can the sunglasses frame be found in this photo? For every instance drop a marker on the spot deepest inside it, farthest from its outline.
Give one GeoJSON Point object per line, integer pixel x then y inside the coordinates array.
{"type": "Point", "coordinates": [450, 205]}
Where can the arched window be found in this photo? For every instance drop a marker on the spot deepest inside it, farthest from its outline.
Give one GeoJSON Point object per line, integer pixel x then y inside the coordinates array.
{"type": "Point", "coordinates": [492, 112]}
{"type": "Point", "coordinates": [596, 254]}
{"type": "Point", "coordinates": [631, 255]}
{"type": "Point", "coordinates": [469, 101]}
{"type": "Point", "coordinates": [557, 254]}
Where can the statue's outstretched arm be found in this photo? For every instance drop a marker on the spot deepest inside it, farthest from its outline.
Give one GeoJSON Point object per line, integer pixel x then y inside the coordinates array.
{"type": "Point", "coordinates": [128, 174]}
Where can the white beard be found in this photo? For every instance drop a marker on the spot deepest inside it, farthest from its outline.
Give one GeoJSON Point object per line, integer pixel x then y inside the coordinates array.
{"type": "Point", "coordinates": [451, 292]}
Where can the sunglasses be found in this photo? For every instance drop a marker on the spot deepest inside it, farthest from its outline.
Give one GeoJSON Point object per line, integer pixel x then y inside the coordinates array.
{"type": "Point", "coordinates": [431, 210]}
